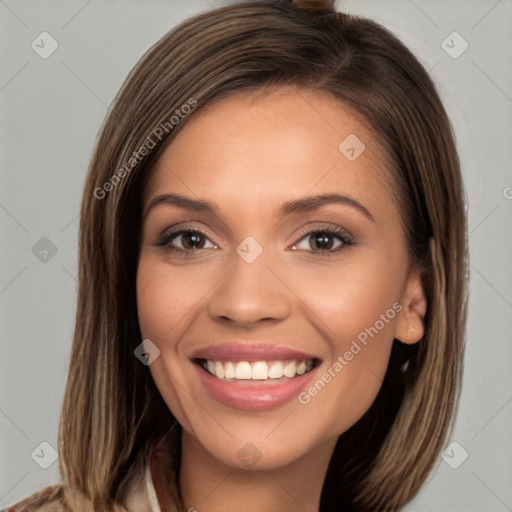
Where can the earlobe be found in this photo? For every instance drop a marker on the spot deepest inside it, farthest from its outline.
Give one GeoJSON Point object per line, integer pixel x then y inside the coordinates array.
{"type": "Point", "coordinates": [410, 327]}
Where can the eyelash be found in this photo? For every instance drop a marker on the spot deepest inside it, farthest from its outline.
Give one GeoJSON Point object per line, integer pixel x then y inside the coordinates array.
{"type": "Point", "coordinates": [342, 235]}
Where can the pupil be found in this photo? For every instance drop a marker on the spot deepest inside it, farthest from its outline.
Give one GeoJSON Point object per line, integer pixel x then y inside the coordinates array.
{"type": "Point", "coordinates": [323, 241]}
{"type": "Point", "coordinates": [191, 240]}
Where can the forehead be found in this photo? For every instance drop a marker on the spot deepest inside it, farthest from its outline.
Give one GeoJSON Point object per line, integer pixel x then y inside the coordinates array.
{"type": "Point", "coordinates": [273, 143]}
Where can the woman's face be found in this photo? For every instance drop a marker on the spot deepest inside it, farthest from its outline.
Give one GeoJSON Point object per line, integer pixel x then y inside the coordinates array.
{"type": "Point", "coordinates": [273, 275]}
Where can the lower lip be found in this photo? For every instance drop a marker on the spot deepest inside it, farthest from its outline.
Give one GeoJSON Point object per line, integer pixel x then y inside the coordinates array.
{"type": "Point", "coordinates": [253, 397]}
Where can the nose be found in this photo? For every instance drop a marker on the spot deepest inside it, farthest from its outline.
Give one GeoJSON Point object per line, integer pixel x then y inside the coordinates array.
{"type": "Point", "coordinates": [249, 293]}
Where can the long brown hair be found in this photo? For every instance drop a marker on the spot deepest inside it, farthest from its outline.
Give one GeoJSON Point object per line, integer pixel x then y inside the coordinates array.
{"type": "Point", "coordinates": [112, 410]}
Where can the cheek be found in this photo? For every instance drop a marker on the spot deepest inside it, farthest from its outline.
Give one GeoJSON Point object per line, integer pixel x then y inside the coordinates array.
{"type": "Point", "coordinates": [153, 305]}
{"type": "Point", "coordinates": [164, 297]}
{"type": "Point", "coordinates": [349, 298]}
{"type": "Point", "coordinates": [356, 308]}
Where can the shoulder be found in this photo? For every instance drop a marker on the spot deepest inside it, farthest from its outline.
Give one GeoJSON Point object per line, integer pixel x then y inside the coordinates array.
{"type": "Point", "coordinates": [58, 498]}
{"type": "Point", "coordinates": [49, 499]}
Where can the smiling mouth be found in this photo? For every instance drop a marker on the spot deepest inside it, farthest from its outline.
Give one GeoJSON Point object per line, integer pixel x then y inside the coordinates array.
{"type": "Point", "coordinates": [245, 372]}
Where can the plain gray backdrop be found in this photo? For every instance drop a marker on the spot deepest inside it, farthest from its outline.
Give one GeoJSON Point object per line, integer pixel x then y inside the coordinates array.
{"type": "Point", "coordinates": [52, 106]}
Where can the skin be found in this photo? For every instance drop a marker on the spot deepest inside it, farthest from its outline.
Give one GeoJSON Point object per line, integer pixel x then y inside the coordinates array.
{"type": "Point", "coordinates": [250, 153]}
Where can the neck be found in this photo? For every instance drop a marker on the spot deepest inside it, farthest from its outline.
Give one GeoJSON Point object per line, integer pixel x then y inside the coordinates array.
{"type": "Point", "coordinates": [208, 484]}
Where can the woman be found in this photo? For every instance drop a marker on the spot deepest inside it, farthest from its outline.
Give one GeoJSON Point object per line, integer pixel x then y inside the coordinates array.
{"type": "Point", "coordinates": [272, 236]}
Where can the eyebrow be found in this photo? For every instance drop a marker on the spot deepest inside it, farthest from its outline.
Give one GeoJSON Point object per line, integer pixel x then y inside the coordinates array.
{"type": "Point", "coordinates": [311, 203]}
{"type": "Point", "coordinates": [302, 205]}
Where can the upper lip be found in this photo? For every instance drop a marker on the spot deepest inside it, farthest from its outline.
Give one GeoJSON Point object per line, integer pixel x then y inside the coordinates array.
{"type": "Point", "coordinates": [239, 351]}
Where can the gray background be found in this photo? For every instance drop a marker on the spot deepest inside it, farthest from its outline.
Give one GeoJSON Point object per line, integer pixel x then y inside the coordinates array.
{"type": "Point", "coordinates": [51, 111]}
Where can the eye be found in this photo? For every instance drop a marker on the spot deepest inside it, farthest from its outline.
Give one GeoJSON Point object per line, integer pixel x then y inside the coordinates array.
{"type": "Point", "coordinates": [186, 241]}
{"type": "Point", "coordinates": [324, 240]}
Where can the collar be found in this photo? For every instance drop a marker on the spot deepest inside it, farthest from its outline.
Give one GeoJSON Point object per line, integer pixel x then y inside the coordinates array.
{"type": "Point", "coordinates": [150, 488]}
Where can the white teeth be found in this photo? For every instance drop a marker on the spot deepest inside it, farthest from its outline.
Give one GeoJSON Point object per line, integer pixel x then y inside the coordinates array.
{"type": "Point", "coordinates": [243, 370]}
{"type": "Point", "coordinates": [275, 370]}
{"type": "Point", "coordinates": [257, 370]}
{"type": "Point", "coordinates": [219, 369]}
{"type": "Point", "coordinates": [229, 370]}
{"type": "Point", "coordinates": [289, 369]}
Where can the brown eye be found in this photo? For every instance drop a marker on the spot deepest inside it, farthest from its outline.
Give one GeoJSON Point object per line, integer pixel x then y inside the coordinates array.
{"type": "Point", "coordinates": [321, 241]}
{"type": "Point", "coordinates": [324, 241]}
{"type": "Point", "coordinates": [186, 241]}
{"type": "Point", "coordinates": [192, 240]}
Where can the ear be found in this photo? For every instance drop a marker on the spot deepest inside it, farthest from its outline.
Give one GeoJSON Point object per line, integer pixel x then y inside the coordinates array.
{"type": "Point", "coordinates": [409, 326]}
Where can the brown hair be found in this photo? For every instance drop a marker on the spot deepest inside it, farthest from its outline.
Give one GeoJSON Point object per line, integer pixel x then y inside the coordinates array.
{"type": "Point", "coordinates": [112, 411]}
